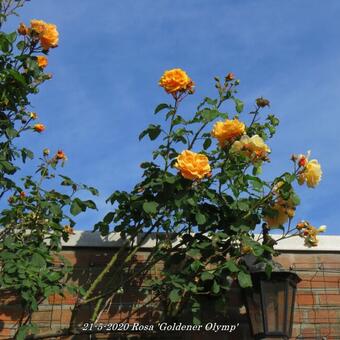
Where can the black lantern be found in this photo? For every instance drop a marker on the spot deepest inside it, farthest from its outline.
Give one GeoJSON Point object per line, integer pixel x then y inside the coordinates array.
{"type": "Point", "coordinates": [270, 303]}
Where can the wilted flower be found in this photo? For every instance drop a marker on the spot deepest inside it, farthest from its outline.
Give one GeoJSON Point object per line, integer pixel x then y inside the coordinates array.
{"type": "Point", "coordinates": [309, 233]}
{"type": "Point", "coordinates": [69, 230]}
{"type": "Point", "coordinates": [252, 147]}
{"type": "Point", "coordinates": [282, 210]}
{"type": "Point", "coordinates": [193, 166]}
{"type": "Point", "coordinates": [262, 102]}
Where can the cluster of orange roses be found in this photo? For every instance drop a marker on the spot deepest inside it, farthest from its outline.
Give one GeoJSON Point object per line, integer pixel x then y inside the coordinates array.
{"type": "Point", "coordinates": [45, 33]}
{"type": "Point", "coordinates": [231, 133]}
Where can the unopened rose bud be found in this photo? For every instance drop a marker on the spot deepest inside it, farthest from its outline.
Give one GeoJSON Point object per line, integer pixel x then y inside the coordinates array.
{"type": "Point", "coordinates": [230, 76]}
{"type": "Point", "coordinates": [22, 29]}
{"type": "Point", "coordinates": [303, 161]}
{"type": "Point", "coordinates": [237, 82]}
{"type": "Point", "coordinates": [46, 152]}
{"type": "Point", "coordinates": [262, 102]}
{"type": "Point", "coordinates": [33, 115]}
{"type": "Point", "coordinates": [22, 194]}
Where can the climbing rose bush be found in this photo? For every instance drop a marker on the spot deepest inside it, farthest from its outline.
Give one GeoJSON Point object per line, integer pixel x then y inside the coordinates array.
{"type": "Point", "coordinates": [203, 189]}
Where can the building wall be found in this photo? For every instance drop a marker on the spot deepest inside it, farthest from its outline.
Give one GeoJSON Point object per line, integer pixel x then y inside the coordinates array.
{"type": "Point", "coordinates": [317, 309]}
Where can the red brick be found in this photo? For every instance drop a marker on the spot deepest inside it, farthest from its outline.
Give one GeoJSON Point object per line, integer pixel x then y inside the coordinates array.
{"type": "Point", "coordinates": [6, 332]}
{"type": "Point", "coordinates": [305, 299]}
{"type": "Point", "coordinates": [57, 299]}
{"type": "Point", "coordinates": [329, 299]}
{"type": "Point", "coordinates": [323, 316]}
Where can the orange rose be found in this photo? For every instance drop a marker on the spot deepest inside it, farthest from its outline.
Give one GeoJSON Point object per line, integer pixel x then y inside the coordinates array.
{"type": "Point", "coordinates": [42, 61]}
{"type": "Point", "coordinates": [61, 155]}
{"type": "Point", "coordinates": [48, 34]}
{"type": "Point", "coordinates": [39, 127]}
{"type": "Point", "coordinates": [37, 25]}
{"type": "Point", "coordinates": [227, 131]}
{"type": "Point", "coordinates": [176, 80]}
{"type": "Point", "coordinates": [193, 166]}
{"type": "Point", "coordinates": [49, 37]}
{"type": "Point", "coordinates": [22, 29]}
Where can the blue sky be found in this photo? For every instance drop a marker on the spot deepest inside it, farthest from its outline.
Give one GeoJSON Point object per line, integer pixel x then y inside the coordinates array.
{"type": "Point", "coordinates": [112, 53]}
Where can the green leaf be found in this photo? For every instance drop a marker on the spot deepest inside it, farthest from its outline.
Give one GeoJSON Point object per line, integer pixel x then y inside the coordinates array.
{"type": "Point", "coordinates": [161, 107]}
{"type": "Point", "coordinates": [209, 115]}
{"type": "Point", "coordinates": [174, 295]}
{"type": "Point", "coordinates": [244, 279]}
{"type": "Point", "coordinates": [200, 218]}
{"type": "Point", "coordinates": [90, 204]}
{"type": "Point", "coordinates": [205, 276]}
{"type": "Point", "coordinates": [21, 45]}
{"type": "Point", "coordinates": [11, 133]}
{"type": "Point", "coordinates": [150, 207]}
{"type": "Point", "coordinates": [231, 265]}
{"type": "Point", "coordinates": [17, 76]}
{"type": "Point", "coordinates": [206, 143]}
{"type": "Point", "coordinates": [215, 288]}
{"type": "Point", "coordinates": [38, 260]}
{"type": "Point", "coordinates": [77, 207]}
{"type": "Point", "coordinates": [154, 132]}
{"type": "Point", "coordinates": [194, 253]}
{"type": "Point", "coordinates": [11, 37]}
{"type": "Point", "coordinates": [195, 265]}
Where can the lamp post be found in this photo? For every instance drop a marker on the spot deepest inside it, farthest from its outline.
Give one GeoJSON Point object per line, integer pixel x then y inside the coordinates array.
{"type": "Point", "coordinates": [270, 302]}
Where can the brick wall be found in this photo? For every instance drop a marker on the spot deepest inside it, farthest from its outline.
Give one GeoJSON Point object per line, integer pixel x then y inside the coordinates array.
{"type": "Point", "coordinates": [317, 310]}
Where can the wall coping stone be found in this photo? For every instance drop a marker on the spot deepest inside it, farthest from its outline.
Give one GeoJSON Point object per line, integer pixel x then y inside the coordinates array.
{"type": "Point", "coordinates": [81, 239]}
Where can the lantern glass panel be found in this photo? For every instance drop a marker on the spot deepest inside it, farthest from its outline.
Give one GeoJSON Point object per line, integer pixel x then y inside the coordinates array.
{"type": "Point", "coordinates": [274, 300]}
{"type": "Point", "coordinates": [255, 311]}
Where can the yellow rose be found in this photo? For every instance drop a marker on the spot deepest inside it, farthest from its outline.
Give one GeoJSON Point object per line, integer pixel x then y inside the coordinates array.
{"type": "Point", "coordinates": [193, 165]}
{"type": "Point", "coordinates": [253, 147]}
{"type": "Point", "coordinates": [49, 37]}
{"type": "Point", "coordinates": [176, 80]}
{"type": "Point", "coordinates": [311, 174]}
{"type": "Point", "coordinates": [226, 131]}
{"type": "Point", "coordinates": [284, 210]}
{"type": "Point", "coordinates": [42, 61]}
